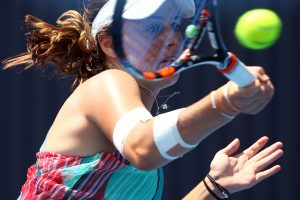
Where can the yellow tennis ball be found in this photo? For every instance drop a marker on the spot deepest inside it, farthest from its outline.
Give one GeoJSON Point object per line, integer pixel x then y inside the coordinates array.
{"type": "Point", "coordinates": [258, 28]}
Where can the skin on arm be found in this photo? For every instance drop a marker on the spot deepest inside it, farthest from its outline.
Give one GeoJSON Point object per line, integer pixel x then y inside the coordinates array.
{"type": "Point", "coordinates": [241, 171]}
{"type": "Point", "coordinates": [115, 99]}
{"type": "Point", "coordinates": [201, 118]}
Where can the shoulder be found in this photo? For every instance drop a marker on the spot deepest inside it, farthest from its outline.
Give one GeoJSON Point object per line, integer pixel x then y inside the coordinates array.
{"type": "Point", "coordinates": [107, 96]}
{"type": "Point", "coordinates": [112, 79]}
{"type": "Point", "coordinates": [108, 81]}
{"type": "Point", "coordinates": [111, 88]}
{"type": "Point", "coordinates": [113, 73]}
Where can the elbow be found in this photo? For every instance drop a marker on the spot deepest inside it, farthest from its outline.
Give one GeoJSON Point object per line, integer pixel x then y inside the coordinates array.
{"type": "Point", "coordinates": [143, 160]}
{"type": "Point", "coordinates": [144, 166]}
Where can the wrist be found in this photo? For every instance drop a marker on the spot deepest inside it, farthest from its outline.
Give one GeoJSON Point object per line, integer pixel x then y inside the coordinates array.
{"type": "Point", "coordinates": [223, 103]}
{"type": "Point", "coordinates": [217, 103]}
{"type": "Point", "coordinates": [225, 193]}
{"type": "Point", "coordinates": [212, 189]}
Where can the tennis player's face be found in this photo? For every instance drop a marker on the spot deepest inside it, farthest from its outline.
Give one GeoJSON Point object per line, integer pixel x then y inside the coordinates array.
{"type": "Point", "coordinates": [154, 45]}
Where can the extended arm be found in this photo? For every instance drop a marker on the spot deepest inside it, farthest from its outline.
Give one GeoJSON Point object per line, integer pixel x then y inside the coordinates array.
{"type": "Point", "coordinates": [194, 122]}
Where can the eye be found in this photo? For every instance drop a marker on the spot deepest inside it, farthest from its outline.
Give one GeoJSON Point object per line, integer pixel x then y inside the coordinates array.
{"type": "Point", "coordinates": [175, 23]}
{"type": "Point", "coordinates": [153, 28]}
{"type": "Point", "coordinates": [175, 26]}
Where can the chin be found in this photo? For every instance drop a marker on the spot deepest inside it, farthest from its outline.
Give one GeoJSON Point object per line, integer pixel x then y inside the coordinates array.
{"type": "Point", "coordinates": [156, 85]}
{"type": "Point", "coordinates": [171, 80]}
{"type": "Point", "coordinates": [166, 82]}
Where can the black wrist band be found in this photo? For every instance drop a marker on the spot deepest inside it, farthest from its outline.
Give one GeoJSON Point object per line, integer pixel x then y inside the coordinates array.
{"type": "Point", "coordinates": [210, 191]}
{"type": "Point", "coordinates": [225, 193]}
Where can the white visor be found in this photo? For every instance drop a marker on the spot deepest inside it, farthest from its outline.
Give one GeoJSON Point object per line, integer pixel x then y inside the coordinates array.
{"type": "Point", "coordinates": [137, 9]}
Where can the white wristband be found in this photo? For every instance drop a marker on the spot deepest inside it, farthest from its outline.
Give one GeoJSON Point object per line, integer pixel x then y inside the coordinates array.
{"type": "Point", "coordinates": [225, 94]}
{"type": "Point", "coordinates": [214, 105]}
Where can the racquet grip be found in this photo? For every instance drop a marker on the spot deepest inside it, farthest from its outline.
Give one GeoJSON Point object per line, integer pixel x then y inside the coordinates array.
{"type": "Point", "coordinates": [238, 72]}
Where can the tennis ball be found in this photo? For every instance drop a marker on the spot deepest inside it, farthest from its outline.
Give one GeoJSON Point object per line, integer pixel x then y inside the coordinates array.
{"type": "Point", "coordinates": [258, 29]}
{"type": "Point", "coordinates": [191, 31]}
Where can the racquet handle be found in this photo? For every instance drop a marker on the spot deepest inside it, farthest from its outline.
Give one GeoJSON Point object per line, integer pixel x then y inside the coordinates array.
{"type": "Point", "coordinates": [237, 72]}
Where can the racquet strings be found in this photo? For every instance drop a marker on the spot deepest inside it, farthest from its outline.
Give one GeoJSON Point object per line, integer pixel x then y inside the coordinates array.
{"type": "Point", "coordinates": [155, 42]}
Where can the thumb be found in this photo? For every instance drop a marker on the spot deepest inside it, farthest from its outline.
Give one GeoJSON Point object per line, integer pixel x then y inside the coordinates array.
{"type": "Point", "coordinates": [232, 147]}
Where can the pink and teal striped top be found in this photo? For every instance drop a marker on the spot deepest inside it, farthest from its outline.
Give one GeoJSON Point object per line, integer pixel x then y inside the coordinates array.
{"type": "Point", "coordinates": [102, 176]}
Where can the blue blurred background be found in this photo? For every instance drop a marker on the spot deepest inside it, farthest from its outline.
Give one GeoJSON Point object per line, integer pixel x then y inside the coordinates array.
{"type": "Point", "coordinates": [29, 101]}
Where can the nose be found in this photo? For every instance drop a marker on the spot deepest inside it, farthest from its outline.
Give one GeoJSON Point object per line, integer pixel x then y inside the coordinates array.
{"type": "Point", "coordinates": [173, 37]}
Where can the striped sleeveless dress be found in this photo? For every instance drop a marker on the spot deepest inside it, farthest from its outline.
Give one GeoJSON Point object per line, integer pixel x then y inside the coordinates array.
{"type": "Point", "coordinates": [102, 176]}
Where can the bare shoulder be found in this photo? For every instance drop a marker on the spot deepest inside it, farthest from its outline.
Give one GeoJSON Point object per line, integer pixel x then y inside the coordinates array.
{"type": "Point", "coordinates": [110, 84]}
{"type": "Point", "coordinates": [116, 77]}
{"type": "Point", "coordinates": [113, 73]}
{"type": "Point", "coordinates": [107, 96]}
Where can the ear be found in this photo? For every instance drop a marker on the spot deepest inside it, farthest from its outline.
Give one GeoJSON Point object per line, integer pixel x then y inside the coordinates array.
{"type": "Point", "coordinates": [106, 44]}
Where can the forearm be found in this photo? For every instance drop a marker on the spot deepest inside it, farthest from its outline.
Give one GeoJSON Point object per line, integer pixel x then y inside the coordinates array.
{"type": "Point", "coordinates": [197, 121]}
{"type": "Point", "coordinates": [194, 124]}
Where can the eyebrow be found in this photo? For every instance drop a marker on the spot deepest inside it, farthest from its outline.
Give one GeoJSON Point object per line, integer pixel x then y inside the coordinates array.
{"type": "Point", "coordinates": [155, 17]}
{"type": "Point", "coordinates": [166, 19]}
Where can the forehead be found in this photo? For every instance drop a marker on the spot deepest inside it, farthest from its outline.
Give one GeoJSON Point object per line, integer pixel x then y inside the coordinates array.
{"type": "Point", "coordinates": [164, 18]}
{"type": "Point", "coordinates": [166, 13]}
{"type": "Point", "coordinates": [157, 20]}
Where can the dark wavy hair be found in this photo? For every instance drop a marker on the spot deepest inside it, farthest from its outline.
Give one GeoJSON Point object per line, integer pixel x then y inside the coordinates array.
{"type": "Point", "coordinates": [68, 45]}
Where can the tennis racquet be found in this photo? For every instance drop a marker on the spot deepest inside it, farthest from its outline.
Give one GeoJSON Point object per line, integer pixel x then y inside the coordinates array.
{"type": "Point", "coordinates": [164, 41]}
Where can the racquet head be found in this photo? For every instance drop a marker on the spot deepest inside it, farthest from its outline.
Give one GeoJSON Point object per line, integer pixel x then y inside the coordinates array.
{"type": "Point", "coordinates": [154, 39]}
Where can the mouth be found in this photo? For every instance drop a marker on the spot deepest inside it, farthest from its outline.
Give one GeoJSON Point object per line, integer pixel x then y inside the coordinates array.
{"type": "Point", "coordinates": [167, 61]}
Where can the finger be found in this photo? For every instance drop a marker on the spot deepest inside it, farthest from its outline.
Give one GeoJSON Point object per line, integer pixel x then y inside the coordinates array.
{"type": "Point", "coordinates": [256, 69]}
{"type": "Point", "coordinates": [267, 151]}
{"type": "Point", "coordinates": [253, 88]}
{"type": "Point", "coordinates": [271, 89]}
{"type": "Point", "coordinates": [267, 173]}
{"type": "Point", "coordinates": [232, 147]}
{"type": "Point", "coordinates": [264, 96]}
{"type": "Point", "coordinates": [263, 78]}
{"type": "Point", "coordinates": [258, 105]}
{"type": "Point", "coordinates": [259, 70]}
{"type": "Point", "coordinates": [267, 89]}
{"type": "Point", "coordinates": [256, 101]}
{"type": "Point", "coordinates": [270, 84]}
{"type": "Point", "coordinates": [261, 74]}
{"type": "Point", "coordinates": [264, 88]}
{"type": "Point", "coordinates": [263, 163]}
{"type": "Point", "coordinates": [254, 148]}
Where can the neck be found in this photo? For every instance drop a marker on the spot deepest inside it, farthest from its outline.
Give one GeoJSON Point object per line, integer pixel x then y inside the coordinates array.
{"type": "Point", "coordinates": [148, 96]}
{"type": "Point", "coordinates": [150, 89]}
{"type": "Point", "coordinates": [149, 99]}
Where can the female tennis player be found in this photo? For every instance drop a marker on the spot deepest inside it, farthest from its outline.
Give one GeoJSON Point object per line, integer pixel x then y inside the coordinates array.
{"type": "Point", "coordinates": [105, 144]}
